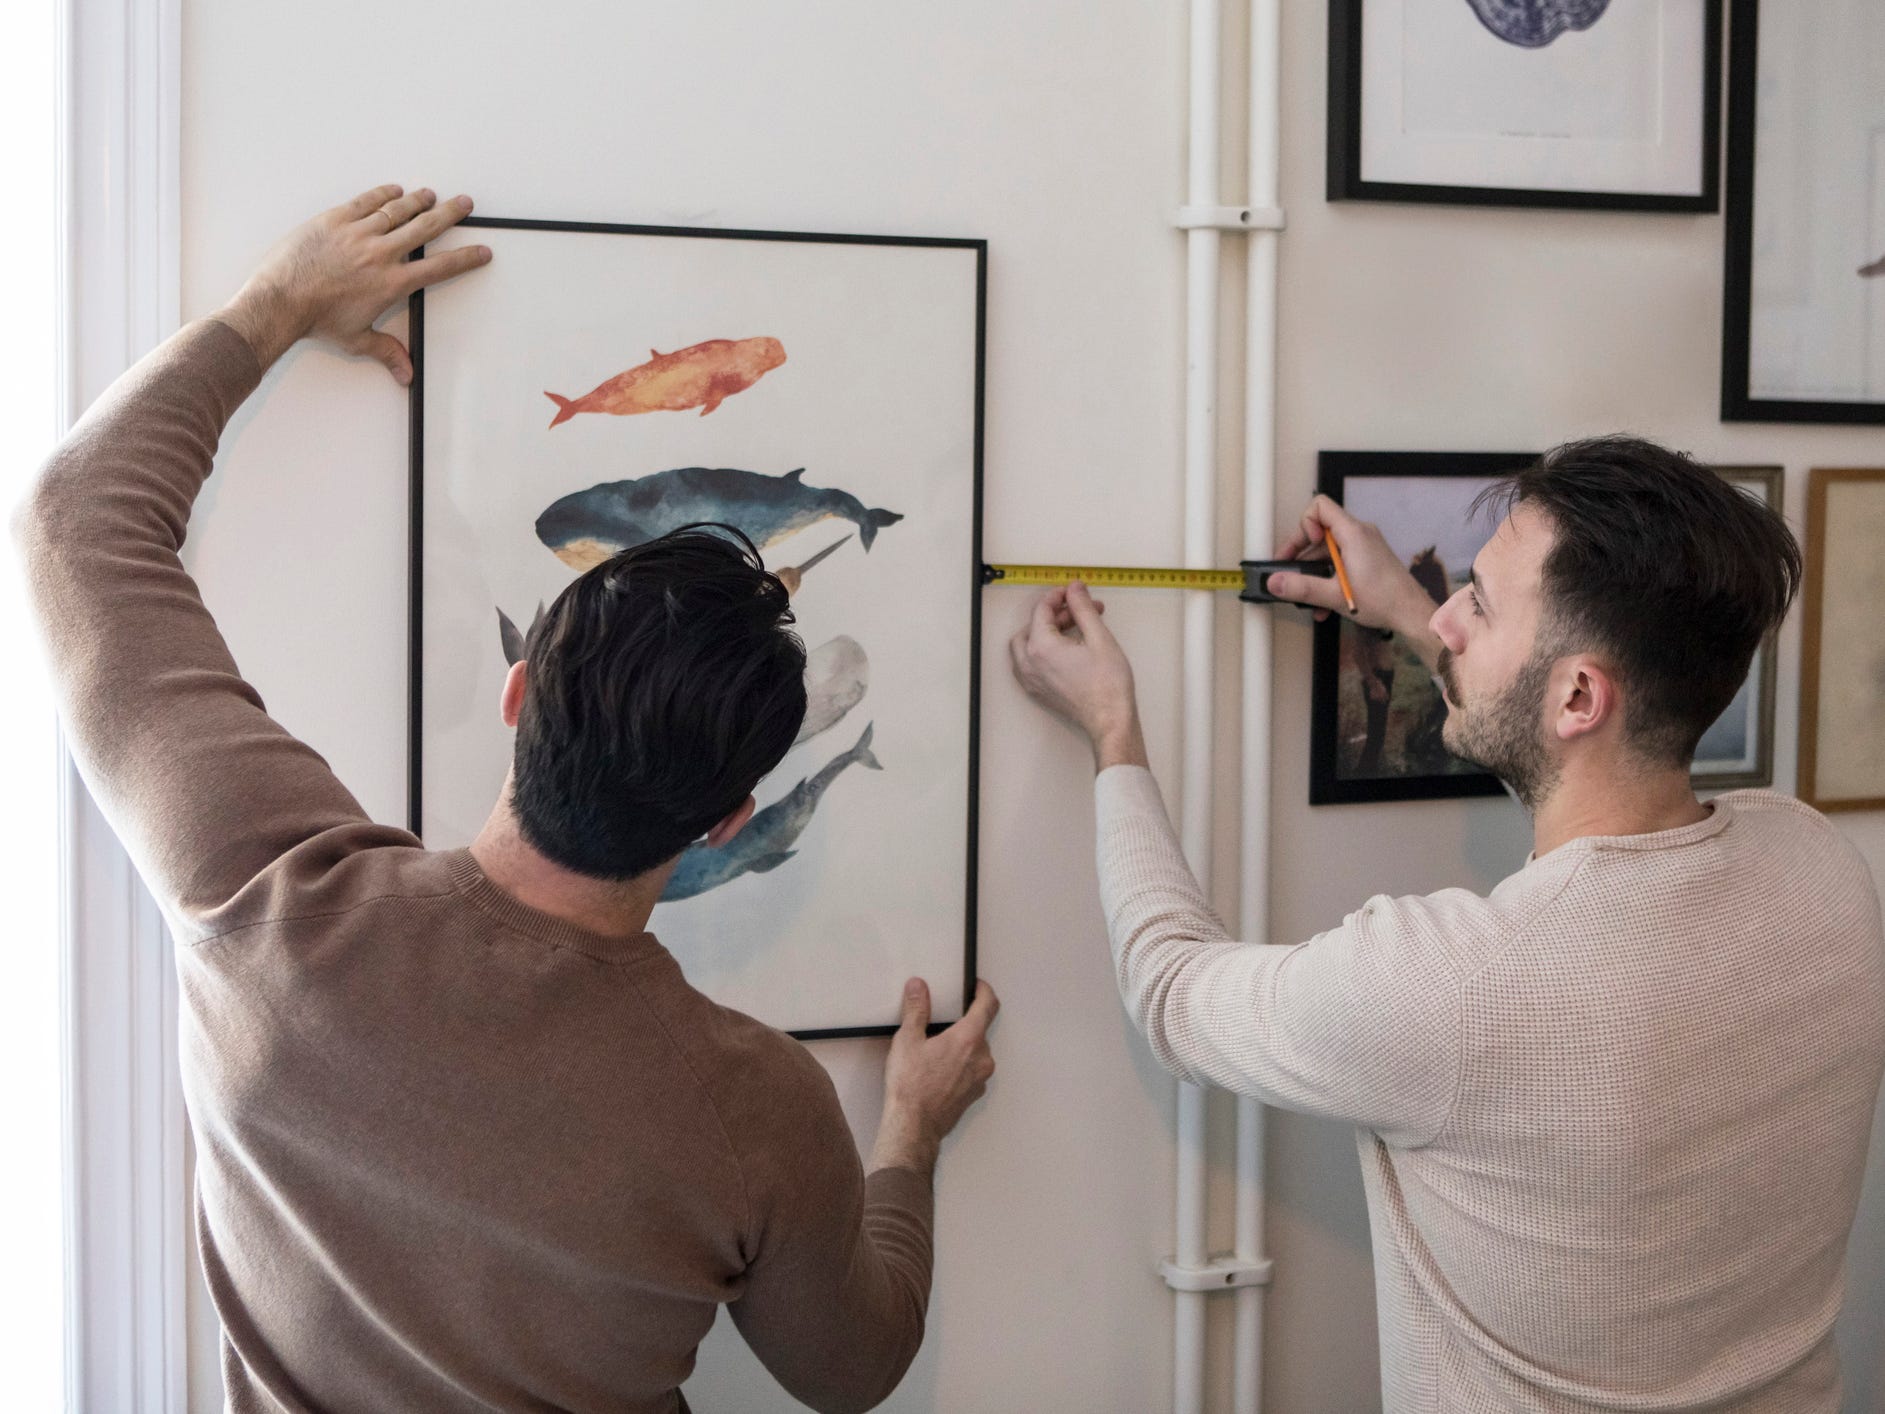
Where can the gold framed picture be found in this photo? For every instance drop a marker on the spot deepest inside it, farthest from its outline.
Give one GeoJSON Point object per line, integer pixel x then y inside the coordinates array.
{"type": "Point", "coordinates": [1842, 652]}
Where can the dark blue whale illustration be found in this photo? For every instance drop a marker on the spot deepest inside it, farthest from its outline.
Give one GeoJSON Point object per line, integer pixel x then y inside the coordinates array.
{"type": "Point", "coordinates": [1532, 24]}
{"type": "Point", "coordinates": [767, 840]}
{"type": "Point", "coordinates": [586, 527]}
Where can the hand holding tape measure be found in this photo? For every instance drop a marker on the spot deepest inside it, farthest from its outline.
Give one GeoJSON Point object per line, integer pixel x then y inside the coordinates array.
{"type": "Point", "coordinates": [1289, 579]}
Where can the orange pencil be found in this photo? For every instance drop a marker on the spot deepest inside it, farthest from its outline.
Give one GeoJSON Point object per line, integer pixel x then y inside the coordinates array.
{"type": "Point", "coordinates": [1341, 574]}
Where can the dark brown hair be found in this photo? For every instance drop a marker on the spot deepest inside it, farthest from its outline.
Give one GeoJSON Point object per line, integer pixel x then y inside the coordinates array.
{"type": "Point", "coordinates": [662, 685]}
{"type": "Point", "coordinates": [1664, 567]}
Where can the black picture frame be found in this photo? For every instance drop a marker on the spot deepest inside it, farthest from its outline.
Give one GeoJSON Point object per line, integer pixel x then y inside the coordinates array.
{"type": "Point", "coordinates": [1737, 401]}
{"type": "Point", "coordinates": [1765, 669]}
{"type": "Point", "coordinates": [1328, 784]}
{"type": "Point", "coordinates": [1346, 182]}
{"type": "Point", "coordinates": [971, 571]}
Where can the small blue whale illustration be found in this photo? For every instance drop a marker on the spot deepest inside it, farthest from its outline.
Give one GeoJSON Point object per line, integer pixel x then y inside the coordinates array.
{"type": "Point", "coordinates": [586, 527]}
{"type": "Point", "coordinates": [767, 840]}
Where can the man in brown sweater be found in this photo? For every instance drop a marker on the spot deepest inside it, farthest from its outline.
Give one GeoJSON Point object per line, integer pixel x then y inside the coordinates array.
{"type": "Point", "coordinates": [467, 1139]}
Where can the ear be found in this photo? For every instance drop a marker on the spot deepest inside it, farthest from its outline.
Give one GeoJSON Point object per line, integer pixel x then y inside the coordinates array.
{"type": "Point", "coordinates": [723, 833]}
{"type": "Point", "coordinates": [1584, 698]}
{"type": "Point", "coordinates": [511, 701]}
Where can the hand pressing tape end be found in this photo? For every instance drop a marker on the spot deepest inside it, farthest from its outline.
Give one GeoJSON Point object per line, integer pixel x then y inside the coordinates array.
{"type": "Point", "coordinates": [1257, 574]}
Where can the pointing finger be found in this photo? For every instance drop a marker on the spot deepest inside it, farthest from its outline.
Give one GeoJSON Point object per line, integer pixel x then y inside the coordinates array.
{"type": "Point", "coordinates": [424, 229]}
{"type": "Point", "coordinates": [420, 274]}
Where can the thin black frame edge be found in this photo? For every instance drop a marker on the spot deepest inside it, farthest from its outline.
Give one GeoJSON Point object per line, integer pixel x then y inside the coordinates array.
{"type": "Point", "coordinates": [1333, 468]}
{"type": "Point", "coordinates": [416, 540]}
{"type": "Point", "coordinates": [415, 550]}
{"type": "Point", "coordinates": [1345, 182]}
{"type": "Point", "coordinates": [1737, 300]}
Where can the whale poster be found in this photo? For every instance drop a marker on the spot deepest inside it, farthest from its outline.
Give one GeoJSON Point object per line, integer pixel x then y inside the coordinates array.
{"type": "Point", "coordinates": [599, 386]}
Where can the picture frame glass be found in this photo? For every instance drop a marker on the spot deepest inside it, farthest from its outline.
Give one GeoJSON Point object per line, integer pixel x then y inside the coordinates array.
{"type": "Point", "coordinates": [1594, 103]}
{"type": "Point", "coordinates": [596, 386]}
{"type": "Point", "coordinates": [1816, 318]}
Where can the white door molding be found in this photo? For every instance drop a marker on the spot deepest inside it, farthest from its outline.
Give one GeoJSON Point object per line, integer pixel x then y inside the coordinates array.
{"type": "Point", "coordinates": [120, 77]}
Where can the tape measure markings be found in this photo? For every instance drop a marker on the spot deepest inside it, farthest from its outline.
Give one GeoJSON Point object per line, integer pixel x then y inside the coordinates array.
{"type": "Point", "coordinates": [1114, 576]}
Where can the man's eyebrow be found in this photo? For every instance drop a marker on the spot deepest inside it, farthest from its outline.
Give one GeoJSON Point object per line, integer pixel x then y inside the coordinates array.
{"type": "Point", "coordinates": [1479, 588]}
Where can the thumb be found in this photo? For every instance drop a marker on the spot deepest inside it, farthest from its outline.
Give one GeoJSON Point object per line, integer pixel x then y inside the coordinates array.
{"type": "Point", "coordinates": [1310, 589]}
{"type": "Point", "coordinates": [377, 344]}
{"type": "Point", "coordinates": [916, 1005]}
{"type": "Point", "coordinates": [1085, 613]}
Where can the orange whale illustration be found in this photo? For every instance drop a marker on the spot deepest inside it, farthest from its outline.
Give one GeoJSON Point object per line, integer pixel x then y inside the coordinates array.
{"type": "Point", "coordinates": [701, 376]}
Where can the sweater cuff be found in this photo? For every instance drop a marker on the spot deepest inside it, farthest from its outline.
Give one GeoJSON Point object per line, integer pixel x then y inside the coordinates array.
{"type": "Point", "coordinates": [1127, 790]}
{"type": "Point", "coordinates": [902, 1189]}
{"type": "Point", "coordinates": [225, 358]}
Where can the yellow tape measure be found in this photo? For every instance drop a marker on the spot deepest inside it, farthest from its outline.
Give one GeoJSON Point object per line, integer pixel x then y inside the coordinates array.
{"type": "Point", "coordinates": [1113, 577]}
{"type": "Point", "coordinates": [1250, 579]}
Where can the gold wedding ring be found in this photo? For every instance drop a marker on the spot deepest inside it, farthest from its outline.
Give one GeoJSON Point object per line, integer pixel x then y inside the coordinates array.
{"type": "Point", "coordinates": [382, 211]}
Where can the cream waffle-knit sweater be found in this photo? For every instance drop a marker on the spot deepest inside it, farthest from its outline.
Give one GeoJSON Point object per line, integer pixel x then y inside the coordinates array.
{"type": "Point", "coordinates": [1612, 1118]}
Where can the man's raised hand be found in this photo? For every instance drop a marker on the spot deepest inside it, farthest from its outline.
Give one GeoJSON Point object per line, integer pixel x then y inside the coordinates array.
{"type": "Point", "coordinates": [331, 277]}
{"type": "Point", "coordinates": [1069, 662]}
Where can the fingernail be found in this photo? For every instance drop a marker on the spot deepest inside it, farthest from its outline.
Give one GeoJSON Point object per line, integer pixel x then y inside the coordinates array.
{"type": "Point", "coordinates": [464, 203]}
{"type": "Point", "coordinates": [484, 252]}
{"type": "Point", "coordinates": [913, 988]}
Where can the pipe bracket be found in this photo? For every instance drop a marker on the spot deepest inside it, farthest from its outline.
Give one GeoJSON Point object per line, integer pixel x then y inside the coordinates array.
{"type": "Point", "coordinates": [1229, 218]}
{"type": "Point", "coordinates": [1222, 1273]}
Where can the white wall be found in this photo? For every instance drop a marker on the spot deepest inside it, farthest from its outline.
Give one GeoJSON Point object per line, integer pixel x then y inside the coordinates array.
{"type": "Point", "coordinates": [1055, 130]}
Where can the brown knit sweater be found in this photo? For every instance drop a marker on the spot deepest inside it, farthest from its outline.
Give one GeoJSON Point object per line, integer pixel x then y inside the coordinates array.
{"type": "Point", "coordinates": [453, 1154]}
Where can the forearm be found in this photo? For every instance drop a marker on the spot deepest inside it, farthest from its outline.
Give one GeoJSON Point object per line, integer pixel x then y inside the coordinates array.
{"type": "Point", "coordinates": [191, 773]}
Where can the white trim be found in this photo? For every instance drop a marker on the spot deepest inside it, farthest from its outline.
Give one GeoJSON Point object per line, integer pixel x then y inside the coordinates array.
{"type": "Point", "coordinates": [126, 1202]}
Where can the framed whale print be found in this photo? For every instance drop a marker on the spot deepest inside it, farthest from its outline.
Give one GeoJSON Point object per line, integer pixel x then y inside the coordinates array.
{"type": "Point", "coordinates": [596, 386]}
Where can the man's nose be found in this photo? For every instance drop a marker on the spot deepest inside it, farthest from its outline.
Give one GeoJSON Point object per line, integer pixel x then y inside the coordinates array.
{"type": "Point", "coordinates": [1444, 625]}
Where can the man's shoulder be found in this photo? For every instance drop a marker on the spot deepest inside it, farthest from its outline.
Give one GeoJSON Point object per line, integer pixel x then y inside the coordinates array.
{"type": "Point", "coordinates": [751, 1072]}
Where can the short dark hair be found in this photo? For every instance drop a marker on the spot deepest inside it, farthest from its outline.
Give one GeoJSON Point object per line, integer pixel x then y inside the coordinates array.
{"type": "Point", "coordinates": [662, 686]}
{"type": "Point", "coordinates": [1657, 561]}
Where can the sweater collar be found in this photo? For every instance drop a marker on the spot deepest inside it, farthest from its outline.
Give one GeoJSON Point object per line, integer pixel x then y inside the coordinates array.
{"type": "Point", "coordinates": [476, 888]}
{"type": "Point", "coordinates": [1720, 816]}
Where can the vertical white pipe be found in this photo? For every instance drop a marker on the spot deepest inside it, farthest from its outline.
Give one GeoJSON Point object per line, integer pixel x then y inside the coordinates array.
{"type": "Point", "coordinates": [1259, 542]}
{"type": "Point", "coordinates": [1201, 296]}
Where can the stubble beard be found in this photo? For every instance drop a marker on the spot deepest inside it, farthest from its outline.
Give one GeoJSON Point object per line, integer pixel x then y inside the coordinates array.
{"type": "Point", "coordinates": [1504, 733]}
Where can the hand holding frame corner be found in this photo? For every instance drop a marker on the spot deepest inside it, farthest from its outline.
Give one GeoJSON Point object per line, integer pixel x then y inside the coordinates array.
{"type": "Point", "coordinates": [332, 276]}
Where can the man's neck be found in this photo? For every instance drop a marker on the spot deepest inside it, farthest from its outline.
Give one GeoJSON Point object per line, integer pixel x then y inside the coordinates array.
{"type": "Point", "coordinates": [600, 906]}
{"type": "Point", "coordinates": [1624, 798]}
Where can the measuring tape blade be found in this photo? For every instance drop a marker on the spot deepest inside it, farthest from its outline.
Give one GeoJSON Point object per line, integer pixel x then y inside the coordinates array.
{"type": "Point", "coordinates": [1113, 576]}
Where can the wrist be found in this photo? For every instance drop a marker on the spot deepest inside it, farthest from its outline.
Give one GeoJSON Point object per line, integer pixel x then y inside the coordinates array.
{"type": "Point", "coordinates": [266, 318]}
{"type": "Point", "coordinates": [1119, 744]}
{"type": "Point", "coordinates": [904, 1142]}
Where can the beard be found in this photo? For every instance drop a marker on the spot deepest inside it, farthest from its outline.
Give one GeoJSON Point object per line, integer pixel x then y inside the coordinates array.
{"type": "Point", "coordinates": [1504, 732]}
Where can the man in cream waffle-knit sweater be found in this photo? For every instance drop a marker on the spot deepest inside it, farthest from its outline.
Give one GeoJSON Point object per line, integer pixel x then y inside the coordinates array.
{"type": "Point", "coordinates": [1613, 1117]}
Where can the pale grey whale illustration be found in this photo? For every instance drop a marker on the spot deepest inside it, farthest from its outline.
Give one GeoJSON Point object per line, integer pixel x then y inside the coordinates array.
{"type": "Point", "coordinates": [585, 527]}
{"type": "Point", "coordinates": [1532, 24]}
{"type": "Point", "coordinates": [767, 840]}
{"type": "Point", "coordinates": [837, 675]}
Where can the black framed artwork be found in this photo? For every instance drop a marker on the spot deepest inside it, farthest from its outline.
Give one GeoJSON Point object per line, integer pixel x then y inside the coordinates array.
{"type": "Point", "coordinates": [1738, 749]}
{"type": "Point", "coordinates": [598, 385]}
{"type": "Point", "coordinates": [1600, 104]}
{"type": "Point", "coordinates": [1375, 714]}
{"type": "Point", "coordinates": [1803, 307]}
